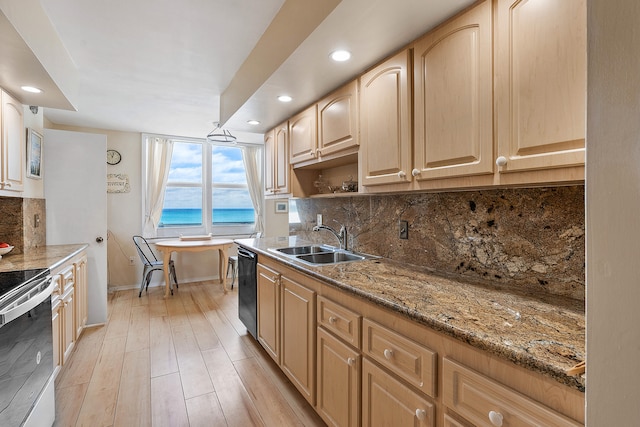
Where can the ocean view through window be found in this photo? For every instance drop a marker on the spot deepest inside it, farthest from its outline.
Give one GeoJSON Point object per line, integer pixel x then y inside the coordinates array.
{"type": "Point", "coordinates": [206, 191]}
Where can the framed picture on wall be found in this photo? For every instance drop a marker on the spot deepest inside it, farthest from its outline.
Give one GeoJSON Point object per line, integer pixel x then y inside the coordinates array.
{"type": "Point", "coordinates": [34, 154]}
{"type": "Point", "coordinates": [282, 206]}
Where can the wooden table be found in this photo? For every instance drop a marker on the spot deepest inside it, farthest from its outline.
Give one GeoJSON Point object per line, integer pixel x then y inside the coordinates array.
{"type": "Point", "coordinates": [177, 245]}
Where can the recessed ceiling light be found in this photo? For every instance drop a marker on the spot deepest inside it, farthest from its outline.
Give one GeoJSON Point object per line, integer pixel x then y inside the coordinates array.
{"type": "Point", "coordinates": [284, 98]}
{"type": "Point", "coordinates": [253, 122]}
{"type": "Point", "coordinates": [31, 89]}
{"type": "Point", "coordinates": [340, 55]}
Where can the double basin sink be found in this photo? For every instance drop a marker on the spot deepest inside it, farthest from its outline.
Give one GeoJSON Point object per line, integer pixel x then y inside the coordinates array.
{"type": "Point", "coordinates": [321, 254]}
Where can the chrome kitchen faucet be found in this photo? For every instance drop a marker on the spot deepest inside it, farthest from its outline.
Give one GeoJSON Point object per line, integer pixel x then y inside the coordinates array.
{"type": "Point", "coordinates": [341, 236]}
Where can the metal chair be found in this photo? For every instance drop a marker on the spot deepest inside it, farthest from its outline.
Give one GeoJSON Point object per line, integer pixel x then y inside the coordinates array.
{"type": "Point", "coordinates": [151, 264]}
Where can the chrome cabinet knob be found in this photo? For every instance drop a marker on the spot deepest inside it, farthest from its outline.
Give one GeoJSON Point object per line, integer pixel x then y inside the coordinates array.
{"type": "Point", "coordinates": [501, 161]}
{"type": "Point", "coordinates": [388, 354]}
{"type": "Point", "coordinates": [495, 418]}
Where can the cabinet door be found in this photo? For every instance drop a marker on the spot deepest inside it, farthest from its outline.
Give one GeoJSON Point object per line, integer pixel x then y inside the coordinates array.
{"type": "Point", "coordinates": [453, 98]}
{"type": "Point", "coordinates": [56, 323]}
{"type": "Point", "coordinates": [13, 137]}
{"type": "Point", "coordinates": [269, 311]}
{"type": "Point", "coordinates": [298, 337]}
{"type": "Point", "coordinates": [388, 402]}
{"type": "Point", "coordinates": [385, 123]}
{"type": "Point", "coordinates": [302, 136]}
{"type": "Point", "coordinates": [281, 136]}
{"type": "Point", "coordinates": [81, 295]}
{"type": "Point", "coordinates": [68, 322]}
{"type": "Point", "coordinates": [269, 162]}
{"type": "Point", "coordinates": [338, 377]}
{"type": "Point", "coordinates": [540, 83]}
{"type": "Point", "coordinates": [338, 120]}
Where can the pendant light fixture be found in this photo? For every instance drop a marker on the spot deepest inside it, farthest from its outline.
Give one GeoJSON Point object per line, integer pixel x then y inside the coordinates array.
{"type": "Point", "coordinates": [220, 135]}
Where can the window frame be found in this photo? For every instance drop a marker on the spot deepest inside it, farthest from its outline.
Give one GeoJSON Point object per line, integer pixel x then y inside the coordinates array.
{"type": "Point", "coordinates": [207, 185]}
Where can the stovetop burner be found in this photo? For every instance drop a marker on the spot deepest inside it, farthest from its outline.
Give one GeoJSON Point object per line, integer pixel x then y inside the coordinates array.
{"type": "Point", "coordinates": [11, 279]}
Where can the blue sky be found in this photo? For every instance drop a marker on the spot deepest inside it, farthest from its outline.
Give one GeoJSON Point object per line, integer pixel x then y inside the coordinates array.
{"type": "Point", "coordinates": [227, 168]}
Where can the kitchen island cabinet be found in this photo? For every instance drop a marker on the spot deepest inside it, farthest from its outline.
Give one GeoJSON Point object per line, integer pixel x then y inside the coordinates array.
{"type": "Point", "coordinates": [366, 308]}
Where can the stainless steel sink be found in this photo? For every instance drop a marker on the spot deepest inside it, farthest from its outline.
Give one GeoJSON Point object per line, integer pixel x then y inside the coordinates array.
{"type": "Point", "coordinates": [320, 254]}
{"type": "Point", "coordinates": [301, 250]}
{"type": "Point", "coordinates": [331, 257]}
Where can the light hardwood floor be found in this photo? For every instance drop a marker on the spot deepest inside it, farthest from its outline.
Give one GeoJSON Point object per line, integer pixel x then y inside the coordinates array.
{"type": "Point", "coordinates": [182, 361]}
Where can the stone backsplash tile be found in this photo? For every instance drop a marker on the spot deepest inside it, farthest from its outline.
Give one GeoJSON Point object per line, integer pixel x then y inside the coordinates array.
{"type": "Point", "coordinates": [17, 226]}
{"type": "Point", "coordinates": [527, 238]}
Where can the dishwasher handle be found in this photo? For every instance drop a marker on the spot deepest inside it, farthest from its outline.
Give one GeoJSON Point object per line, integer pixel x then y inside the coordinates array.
{"type": "Point", "coordinates": [245, 253]}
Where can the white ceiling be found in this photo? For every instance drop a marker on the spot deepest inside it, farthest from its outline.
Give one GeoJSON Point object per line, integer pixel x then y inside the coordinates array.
{"type": "Point", "coordinates": [161, 66]}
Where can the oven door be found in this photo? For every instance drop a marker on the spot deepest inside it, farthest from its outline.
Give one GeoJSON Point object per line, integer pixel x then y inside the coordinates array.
{"type": "Point", "coordinates": [26, 354]}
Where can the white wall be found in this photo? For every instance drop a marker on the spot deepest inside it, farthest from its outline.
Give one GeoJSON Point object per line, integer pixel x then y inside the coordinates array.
{"type": "Point", "coordinates": [124, 218]}
{"type": "Point", "coordinates": [613, 207]}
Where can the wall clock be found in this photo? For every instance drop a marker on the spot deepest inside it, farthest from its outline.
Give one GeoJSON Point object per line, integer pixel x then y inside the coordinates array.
{"type": "Point", "coordinates": [113, 157]}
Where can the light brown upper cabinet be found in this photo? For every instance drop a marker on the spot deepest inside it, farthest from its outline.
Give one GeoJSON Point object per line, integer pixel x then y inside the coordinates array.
{"type": "Point", "coordinates": [276, 170]}
{"type": "Point", "coordinates": [453, 127]}
{"type": "Point", "coordinates": [303, 136]}
{"type": "Point", "coordinates": [540, 57]}
{"type": "Point", "coordinates": [338, 120]}
{"type": "Point", "coordinates": [11, 144]}
{"type": "Point", "coordinates": [385, 122]}
{"type": "Point", "coordinates": [327, 131]}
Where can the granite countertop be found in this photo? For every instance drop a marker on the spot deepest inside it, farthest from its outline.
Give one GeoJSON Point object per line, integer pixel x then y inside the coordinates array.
{"type": "Point", "coordinates": [43, 257]}
{"type": "Point", "coordinates": [541, 333]}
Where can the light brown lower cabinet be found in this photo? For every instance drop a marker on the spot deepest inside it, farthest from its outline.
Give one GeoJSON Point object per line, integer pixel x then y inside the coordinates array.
{"type": "Point", "coordinates": [338, 376]}
{"type": "Point", "coordinates": [364, 365]}
{"type": "Point", "coordinates": [388, 402]}
{"type": "Point", "coordinates": [68, 307]}
{"type": "Point", "coordinates": [286, 327]}
{"type": "Point", "coordinates": [298, 336]}
{"type": "Point", "coordinates": [485, 402]}
{"type": "Point", "coordinates": [56, 320]}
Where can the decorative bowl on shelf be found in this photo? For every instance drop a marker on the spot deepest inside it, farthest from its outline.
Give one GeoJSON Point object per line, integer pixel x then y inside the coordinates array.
{"type": "Point", "coordinates": [5, 250]}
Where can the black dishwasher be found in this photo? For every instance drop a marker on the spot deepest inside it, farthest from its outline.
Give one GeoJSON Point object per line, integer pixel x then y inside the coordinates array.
{"type": "Point", "coordinates": [248, 290]}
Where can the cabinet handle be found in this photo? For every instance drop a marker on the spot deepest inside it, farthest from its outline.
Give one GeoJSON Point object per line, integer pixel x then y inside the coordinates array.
{"type": "Point", "coordinates": [415, 172]}
{"type": "Point", "coordinates": [318, 152]}
{"type": "Point", "coordinates": [312, 153]}
{"type": "Point", "coordinates": [332, 320]}
{"type": "Point", "coordinates": [501, 161]}
{"type": "Point", "coordinates": [495, 418]}
{"type": "Point", "coordinates": [401, 174]}
{"type": "Point", "coordinates": [6, 184]}
{"type": "Point", "coordinates": [388, 354]}
{"type": "Point", "coordinates": [421, 414]}
{"type": "Point", "coordinates": [351, 361]}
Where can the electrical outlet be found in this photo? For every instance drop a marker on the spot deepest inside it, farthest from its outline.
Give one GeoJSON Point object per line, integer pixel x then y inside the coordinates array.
{"type": "Point", "coordinates": [403, 228]}
{"type": "Point", "coordinates": [132, 260]}
{"type": "Point", "coordinates": [319, 219]}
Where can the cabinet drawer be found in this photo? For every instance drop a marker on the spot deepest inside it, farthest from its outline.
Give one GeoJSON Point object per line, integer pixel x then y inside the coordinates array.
{"type": "Point", "coordinates": [407, 359]}
{"type": "Point", "coordinates": [342, 322]}
{"type": "Point", "coordinates": [476, 398]}
{"type": "Point", "coordinates": [68, 279]}
{"type": "Point", "coordinates": [388, 402]}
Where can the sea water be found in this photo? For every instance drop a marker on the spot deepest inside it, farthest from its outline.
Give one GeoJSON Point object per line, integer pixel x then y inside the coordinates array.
{"type": "Point", "coordinates": [194, 216]}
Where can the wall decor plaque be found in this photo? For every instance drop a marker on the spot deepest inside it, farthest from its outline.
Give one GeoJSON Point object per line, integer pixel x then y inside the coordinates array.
{"type": "Point", "coordinates": [118, 183]}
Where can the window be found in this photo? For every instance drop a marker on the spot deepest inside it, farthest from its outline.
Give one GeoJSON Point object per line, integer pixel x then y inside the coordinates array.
{"type": "Point", "coordinates": [206, 191]}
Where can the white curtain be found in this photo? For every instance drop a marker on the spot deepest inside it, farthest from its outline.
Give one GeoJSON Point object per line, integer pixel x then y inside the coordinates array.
{"type": "Point", "coordinates": [253, 169]}
{"type": "Point", "coordinates": [158, 162]}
